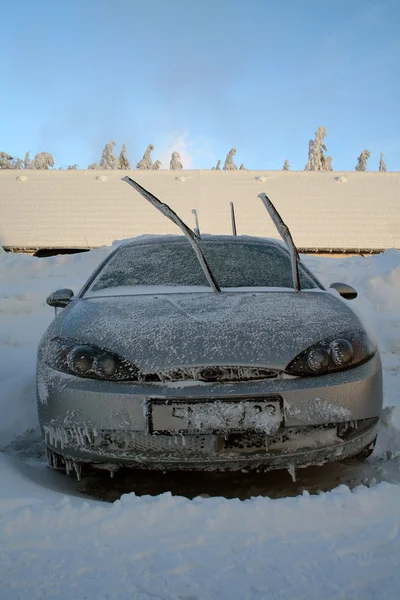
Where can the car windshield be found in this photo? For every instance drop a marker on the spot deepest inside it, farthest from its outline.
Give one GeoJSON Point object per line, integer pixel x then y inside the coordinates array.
{"type": "Point", "coordinates": [234, 264]}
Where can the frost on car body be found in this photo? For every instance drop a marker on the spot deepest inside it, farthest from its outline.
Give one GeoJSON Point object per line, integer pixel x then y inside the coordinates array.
{"type": "Point", "coordinates": [221, 353]}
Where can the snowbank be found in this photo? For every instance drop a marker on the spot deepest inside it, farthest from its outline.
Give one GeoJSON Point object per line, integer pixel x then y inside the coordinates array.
{"type": "Point", "coordinates": [24, 315]}
{"type": "Point", "coordinates": [55, 544]}
{"type": "Point", "coordinates": [337, 545]}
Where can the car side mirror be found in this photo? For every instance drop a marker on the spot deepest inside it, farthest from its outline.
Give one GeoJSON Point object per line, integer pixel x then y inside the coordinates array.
{"type": "Point", "coordinates": [60, 298]}
{"type": "Point", "coordinates": [345, 290]}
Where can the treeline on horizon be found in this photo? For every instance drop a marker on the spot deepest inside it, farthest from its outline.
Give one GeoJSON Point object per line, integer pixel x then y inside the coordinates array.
{"type": "Point", "coordinates": [318, 160]}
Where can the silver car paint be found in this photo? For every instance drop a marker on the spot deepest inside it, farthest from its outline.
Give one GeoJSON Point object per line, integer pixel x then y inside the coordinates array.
{"type": "Point", "coordinates": [89, 408]}
{"type": "Point", "coordinates": [348, 395]}
{"type": "Point", "coordinates": [162, 331]}
{"type": "Point", "coordinates": [168, 331]}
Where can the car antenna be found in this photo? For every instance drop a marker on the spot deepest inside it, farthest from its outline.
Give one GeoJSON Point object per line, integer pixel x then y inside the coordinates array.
{"type": "Point", "coordinates": [197, 230]}
{"type": "Point", "coordinates": [285, 234]}
{"type": "Point", "coordinates": [170, 214]}
{"type": "Point", "coordinates": [233, 219]}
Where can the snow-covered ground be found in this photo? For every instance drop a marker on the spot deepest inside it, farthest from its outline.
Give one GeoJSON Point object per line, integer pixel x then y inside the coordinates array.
{"type": "Point", "coordinates": [284, 541]}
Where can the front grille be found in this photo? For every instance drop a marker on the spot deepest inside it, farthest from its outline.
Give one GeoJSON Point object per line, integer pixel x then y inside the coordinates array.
{"type": "Point", "coordinates": [129, 442]}
{"type": "Point", "coordinates": [138, 442]}
{"type": "Point", "coordinates": [224, 374]}
{"type": "Point", "coordinates": [245, 442]}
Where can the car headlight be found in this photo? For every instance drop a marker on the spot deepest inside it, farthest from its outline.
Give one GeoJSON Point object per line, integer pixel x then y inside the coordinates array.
{"type": "Point", "coordinates": [337, 353]}
{"type": "Point", "coordinates": [89, 361]}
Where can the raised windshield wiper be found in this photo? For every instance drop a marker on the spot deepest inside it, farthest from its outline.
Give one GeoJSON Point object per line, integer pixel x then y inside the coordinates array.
{"type": "Point", "coordinates": [170, 214]}
{"type": "Point", "coordinates": [285, 234]}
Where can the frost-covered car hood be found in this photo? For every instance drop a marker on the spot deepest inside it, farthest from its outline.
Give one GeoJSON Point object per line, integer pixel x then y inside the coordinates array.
{"type": "Point", "coordinates": [176, 330]}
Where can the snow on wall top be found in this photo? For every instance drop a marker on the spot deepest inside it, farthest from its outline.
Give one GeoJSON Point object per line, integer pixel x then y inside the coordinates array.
{"type": "Point", "coordinates": [78, 209]}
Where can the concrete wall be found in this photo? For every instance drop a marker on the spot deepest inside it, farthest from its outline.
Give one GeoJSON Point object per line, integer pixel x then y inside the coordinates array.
{"type": "Point", "coordinates": [78, 209]}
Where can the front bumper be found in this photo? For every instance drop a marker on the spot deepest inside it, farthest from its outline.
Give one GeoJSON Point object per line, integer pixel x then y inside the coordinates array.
{"type": "Point", "coordinates": [301, 447]}
{"type": "Point", "coordinates": [101, 422]}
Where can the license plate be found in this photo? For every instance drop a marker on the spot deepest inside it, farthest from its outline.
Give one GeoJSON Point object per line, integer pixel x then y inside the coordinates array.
{"type": "Point", "coordinates": [214, 416]}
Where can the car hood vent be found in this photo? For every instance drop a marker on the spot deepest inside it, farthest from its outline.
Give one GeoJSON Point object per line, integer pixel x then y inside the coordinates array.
{"type": "Point", "coordinates": [224, 374]}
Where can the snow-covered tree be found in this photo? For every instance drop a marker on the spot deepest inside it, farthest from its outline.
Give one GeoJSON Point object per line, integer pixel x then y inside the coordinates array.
{"type": "Point", "coordinates": [310, 161]}
{"type": "Point", "coordinates": [157, 165]}
{"type": "Point", "coordinates": [72, 167]}
{"type": "Point", "coordinates": [382, 164]}
{"type": "Point", "coordinates": [362, 160]}
{"type": "Point", "coordinates": [317, 161]}
{"type": "Point", "coordinates": [108, 159]}
{"type": "Point", "coordinates": [326, 162]}
{"type": "Point", "coordinates": [286, 166]}
{"type": "Point", "coordinates": [242, 167]}
{"type": "Point", "coordinates": [146, 164]}
{"type": "Point", "coordinates": [94, 166]}
{"type": "Point", "coordinates": [229, 164]}
{"type": "Point", "coordinates": [5, 161]}
{"type": "Point", "coordinates": [123, 162]}
{"type": "Point", "coordinates": [27, 161]}
{"type": "Point", "coordinates": [175, 163]}
{"type": "Point", "coordinates": [17, 163]}
{"type": "Point", "coordinates": [218, 167]}
{"type": "Point", "coordinates": [8, 162]}
{"type": "Point", "coordinates": [43, 161]}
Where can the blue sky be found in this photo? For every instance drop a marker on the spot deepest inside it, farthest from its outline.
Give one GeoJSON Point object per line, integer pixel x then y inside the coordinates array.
{"type": "Point", "coordinates": [202, 76]}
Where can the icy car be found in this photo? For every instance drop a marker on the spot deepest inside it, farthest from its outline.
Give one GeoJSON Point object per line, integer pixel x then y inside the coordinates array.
{"type": "Point", "coordinates": [206, 353]}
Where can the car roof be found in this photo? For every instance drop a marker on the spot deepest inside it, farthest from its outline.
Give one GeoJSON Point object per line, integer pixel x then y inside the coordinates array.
{"type": "Point", "coordinates": [161, 239]}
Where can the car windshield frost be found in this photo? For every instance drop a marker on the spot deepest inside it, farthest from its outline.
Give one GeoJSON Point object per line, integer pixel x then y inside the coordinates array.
{"type": "Point", "coordinates": [234, 264]}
